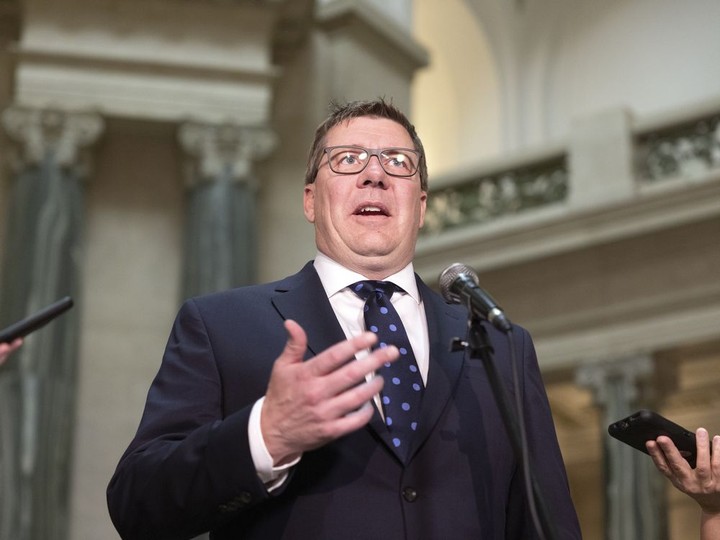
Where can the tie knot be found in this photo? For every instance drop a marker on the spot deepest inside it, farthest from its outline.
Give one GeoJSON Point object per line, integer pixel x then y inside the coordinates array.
{"type": "Point", "coordinates": [364, 289]}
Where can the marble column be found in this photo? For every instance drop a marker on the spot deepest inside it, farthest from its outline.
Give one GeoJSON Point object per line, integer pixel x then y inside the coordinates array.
{"type": "Point", "coordinates": [634, 497]}
{"type": "Point", "coordinates": [221, 225]}
{"type": "Point", "coordinates": [42, 259]}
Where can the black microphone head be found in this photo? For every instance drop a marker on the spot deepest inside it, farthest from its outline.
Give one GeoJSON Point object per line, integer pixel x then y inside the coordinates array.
{"type": "Point", "coordinates": [449, 277]}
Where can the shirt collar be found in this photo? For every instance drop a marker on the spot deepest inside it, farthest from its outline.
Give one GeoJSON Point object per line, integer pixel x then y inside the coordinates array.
{"type": "Point", "coordinates": [335, 277]}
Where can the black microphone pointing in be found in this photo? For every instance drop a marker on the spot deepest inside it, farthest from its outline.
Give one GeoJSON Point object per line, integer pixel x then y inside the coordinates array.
{"type": "Point", "coordinates": [459, 285]}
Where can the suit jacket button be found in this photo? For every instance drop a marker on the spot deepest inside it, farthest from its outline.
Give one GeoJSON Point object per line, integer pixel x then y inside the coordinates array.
{"type": "Point", "coordinates": [409, 494]}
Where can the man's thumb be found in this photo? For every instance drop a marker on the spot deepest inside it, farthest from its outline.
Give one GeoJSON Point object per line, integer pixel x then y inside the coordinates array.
{"type": "Point", "coordinates": [296, 344]}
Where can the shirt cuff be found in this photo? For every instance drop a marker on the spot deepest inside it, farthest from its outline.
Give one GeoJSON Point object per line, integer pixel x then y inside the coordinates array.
{"type": "Point", "coordinates": [272, 477]}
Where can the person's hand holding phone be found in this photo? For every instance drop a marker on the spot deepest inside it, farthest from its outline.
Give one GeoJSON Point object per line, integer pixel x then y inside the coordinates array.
{"type": "Point", "coordinates": [701, 483]}
{"type": "Point", "coordinates": [645, 425]}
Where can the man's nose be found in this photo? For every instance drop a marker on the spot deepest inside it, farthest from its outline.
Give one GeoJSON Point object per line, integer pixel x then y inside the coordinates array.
{"type": "Point", "coordinates": [373, 174]}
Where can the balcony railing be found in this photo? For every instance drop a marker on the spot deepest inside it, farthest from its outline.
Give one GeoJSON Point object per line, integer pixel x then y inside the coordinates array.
{"type": "Point", "coordinates": [483, 197]}
{"type": "Point", "coordinates": [688, 148]}
{"type": "Point", "coordinates": [626, 156]}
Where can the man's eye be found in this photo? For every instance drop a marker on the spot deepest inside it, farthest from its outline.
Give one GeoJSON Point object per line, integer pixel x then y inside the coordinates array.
{"type": "Point", "coordinates": [398, 161]}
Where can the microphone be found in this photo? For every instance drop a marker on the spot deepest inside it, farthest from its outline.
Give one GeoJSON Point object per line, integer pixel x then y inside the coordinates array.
{"type": "Point", "coordinates": [459, 285]}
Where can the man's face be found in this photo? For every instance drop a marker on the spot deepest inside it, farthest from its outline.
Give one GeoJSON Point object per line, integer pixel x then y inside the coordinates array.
{"type": "Point", "coordinates": [368, 221]}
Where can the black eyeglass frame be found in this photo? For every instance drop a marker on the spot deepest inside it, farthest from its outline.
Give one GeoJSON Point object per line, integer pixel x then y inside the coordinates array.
{"type": "Point", "coordinates": [377, 153]}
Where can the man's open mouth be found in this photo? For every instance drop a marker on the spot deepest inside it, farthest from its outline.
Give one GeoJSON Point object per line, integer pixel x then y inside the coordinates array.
{"type": "Point", "coordinates": [371, 210]}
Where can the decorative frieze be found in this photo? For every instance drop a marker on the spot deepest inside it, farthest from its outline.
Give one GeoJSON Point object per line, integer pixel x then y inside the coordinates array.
{"type": "Point", "coordinates": [687, 149]}
{"type": "Point", "coordinates": [481, 199]}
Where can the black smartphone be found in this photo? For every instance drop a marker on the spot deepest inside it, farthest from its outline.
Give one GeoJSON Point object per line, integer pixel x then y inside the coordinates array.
{"type": "Point", "coordinates": [645, 425]}
{"type": "Point", "coordinates": [37, 320]}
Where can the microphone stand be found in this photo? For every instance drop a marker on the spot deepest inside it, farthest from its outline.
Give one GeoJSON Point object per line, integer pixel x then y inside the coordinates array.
{"type": "Point", "coordinates": [478, 345]}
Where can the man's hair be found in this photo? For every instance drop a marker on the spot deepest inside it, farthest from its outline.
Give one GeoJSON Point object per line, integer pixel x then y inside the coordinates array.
{"type": "Point", "coordinates": [343, 113]}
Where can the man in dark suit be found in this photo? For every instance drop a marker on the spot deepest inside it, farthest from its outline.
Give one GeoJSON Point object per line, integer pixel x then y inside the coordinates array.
{"type": "Point", "coordinates": [268, 416]}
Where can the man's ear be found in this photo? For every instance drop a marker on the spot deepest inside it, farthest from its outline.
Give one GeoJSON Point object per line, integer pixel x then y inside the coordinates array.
{"type": "Point", "coordinates": [309, 202]}
{"type": "Point", "coordinates": [423, 207]}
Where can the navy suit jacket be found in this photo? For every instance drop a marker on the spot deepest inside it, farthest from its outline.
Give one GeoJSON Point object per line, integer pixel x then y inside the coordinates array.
{"type": "Point", "coordinates": [189, 467]}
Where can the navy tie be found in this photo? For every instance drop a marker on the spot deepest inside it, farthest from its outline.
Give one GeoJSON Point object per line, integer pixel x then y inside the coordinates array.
{"type": "Point", "coordinates": [403, 390]}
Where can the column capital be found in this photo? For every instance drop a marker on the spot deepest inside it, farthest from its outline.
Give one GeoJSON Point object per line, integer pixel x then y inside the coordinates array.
{"type": "Point", "coordinates": [61, 134]}
{"type": "Point", "coordinates": [224, 150]}
{"type": "Point", "coordinates": [628, 372]}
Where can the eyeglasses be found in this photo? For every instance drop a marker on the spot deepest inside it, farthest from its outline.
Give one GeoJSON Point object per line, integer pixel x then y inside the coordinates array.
{"type": "Point", "coordinates": [354, 159]}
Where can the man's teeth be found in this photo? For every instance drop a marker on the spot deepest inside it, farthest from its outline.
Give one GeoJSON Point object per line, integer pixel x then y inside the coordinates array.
{"type": "Point", "coordinates": [370, 209]}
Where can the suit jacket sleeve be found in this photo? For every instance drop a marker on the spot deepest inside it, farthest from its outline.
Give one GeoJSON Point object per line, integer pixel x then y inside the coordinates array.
{"type": "Point", "coordinates": [189, 468]}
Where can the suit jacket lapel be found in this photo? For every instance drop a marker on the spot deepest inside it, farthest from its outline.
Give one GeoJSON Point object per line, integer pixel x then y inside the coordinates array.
{"type": "Point", "coordinates": [303, 299]}
{"type": "Point", "coordinates": [445, 322]}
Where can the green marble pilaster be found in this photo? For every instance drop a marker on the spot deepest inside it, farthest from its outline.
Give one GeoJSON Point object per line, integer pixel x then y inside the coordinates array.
{"type": "Point", "coordinates": [221, 222]}
{"type": "Point", "coordinates": [41, 263]}
{"type": "Point", "coordinates": [634, 497]}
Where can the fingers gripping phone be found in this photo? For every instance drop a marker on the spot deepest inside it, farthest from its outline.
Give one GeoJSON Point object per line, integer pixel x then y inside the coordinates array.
{"type": "Point", "coordinates": [35, 321]}
{"type": "Point", "coordinates": [645, 425]}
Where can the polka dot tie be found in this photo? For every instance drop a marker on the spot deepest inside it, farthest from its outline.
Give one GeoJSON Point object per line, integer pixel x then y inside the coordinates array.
{"type": "Point", "coordinates": [403, 389]}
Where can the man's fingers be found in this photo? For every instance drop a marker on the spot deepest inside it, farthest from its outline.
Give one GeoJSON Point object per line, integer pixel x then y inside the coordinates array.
{"type": "Point", "coordinates": [296, 344]}
{"type": "Point", "coordinates": [674, 459]}
{"type": "Point", "coordinates": [348, 387]}
{"type": "Point", "coordinates": [658, 457]}
{"type": "Point", "coordinates": [354, 398]}
{"type": "Point", "coordinates": [352, 409]}
{"type": "Point", "coordinates": [702, 444]}
{"type": "Point", "coordinates": [353, 373]}
{"type": "Point", "coordinates": [334, 357]}
{"type": "Point", "coordinates": [355, 419]}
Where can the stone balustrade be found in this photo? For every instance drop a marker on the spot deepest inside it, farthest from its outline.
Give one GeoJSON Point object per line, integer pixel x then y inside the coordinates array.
{"type": "Point", "coordinates": [679, 148]}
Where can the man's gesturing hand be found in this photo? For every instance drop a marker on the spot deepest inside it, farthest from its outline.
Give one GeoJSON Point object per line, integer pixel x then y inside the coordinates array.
{"type": "Point", "coordinates": [308, 404]}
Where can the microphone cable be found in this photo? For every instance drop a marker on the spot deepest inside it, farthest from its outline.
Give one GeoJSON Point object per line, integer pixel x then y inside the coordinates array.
{"type": "Point", "coordinates": [524, 449]}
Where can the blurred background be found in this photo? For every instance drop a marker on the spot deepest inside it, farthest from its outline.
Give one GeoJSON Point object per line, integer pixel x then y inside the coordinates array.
{"type": "Point", "coordinates": [152, 150]}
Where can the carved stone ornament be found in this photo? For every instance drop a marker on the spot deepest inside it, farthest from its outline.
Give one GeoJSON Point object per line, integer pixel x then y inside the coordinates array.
{"type": "Point", "coordinates": [627, 372]}
{"type": "Point", "coordinates": [62, 134]}
{"type": "Point", "coordinates": [217, 150]}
